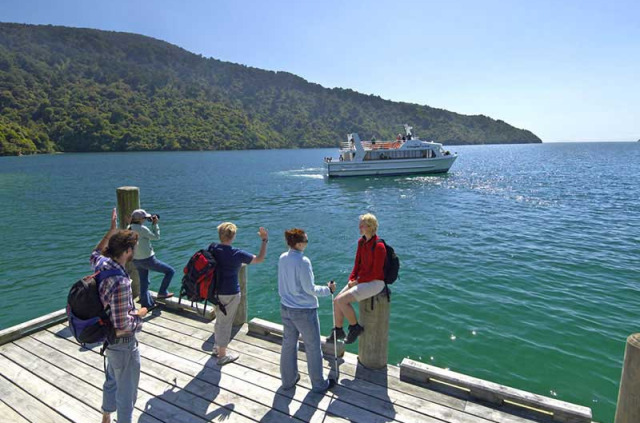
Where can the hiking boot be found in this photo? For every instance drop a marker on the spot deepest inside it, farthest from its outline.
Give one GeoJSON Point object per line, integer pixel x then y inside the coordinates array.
{"type": "Point", "coordinates": [229, 358]}
{"type": "Point", "coordinates": [335, 333]}
{"type": "Point", "coordinates": [354, 331]}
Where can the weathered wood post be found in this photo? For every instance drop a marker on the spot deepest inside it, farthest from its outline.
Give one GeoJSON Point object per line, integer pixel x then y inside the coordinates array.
{"type": "Point", "coordinates": [242, 313]}
{"type": "Point", "coordinates": [628, 409]}
{"type": "Point", "coordinates": [373, 344]}
{"type": "Point", "coordinates": [128, 201]}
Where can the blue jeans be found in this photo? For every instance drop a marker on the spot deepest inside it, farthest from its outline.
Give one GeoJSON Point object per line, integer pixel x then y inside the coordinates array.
{"type": "Point", "coordinates": [120, 389]}
{"type": "Point", "coordinates": [296, 322]}
{"type": "Point", "coordinates": [152, 263]}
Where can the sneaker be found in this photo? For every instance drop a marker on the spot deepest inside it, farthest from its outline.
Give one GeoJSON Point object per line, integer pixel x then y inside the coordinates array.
{"type": "Point", "coordinates": [354, 331]}
{"type": "Point", "coordinates": [229, 358]}
{"type": "Point", "coordinates": [335, 333]}
{"type": "Point", "coordinates": [163, 296]}
{"type": "Point", "coordinates": [330, 385]}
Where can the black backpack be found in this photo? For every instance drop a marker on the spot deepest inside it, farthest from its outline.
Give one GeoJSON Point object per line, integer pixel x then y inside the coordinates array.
{"type": "Point", "coordinates": [391, 264]}
{"type": "Point", "coordinates": [89, 321]}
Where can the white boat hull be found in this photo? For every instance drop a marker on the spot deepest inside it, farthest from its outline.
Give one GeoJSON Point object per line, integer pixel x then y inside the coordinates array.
{"type": "Point", "coordinates": [390, 167]}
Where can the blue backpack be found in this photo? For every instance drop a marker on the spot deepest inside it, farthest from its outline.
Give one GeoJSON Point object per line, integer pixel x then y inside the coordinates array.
{"type": "Point", "coordinates": [89, 321]}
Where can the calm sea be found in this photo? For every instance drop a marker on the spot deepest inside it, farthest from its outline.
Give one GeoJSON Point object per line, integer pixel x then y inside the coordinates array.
{"type": "Point", "coordinates": [520, 266]}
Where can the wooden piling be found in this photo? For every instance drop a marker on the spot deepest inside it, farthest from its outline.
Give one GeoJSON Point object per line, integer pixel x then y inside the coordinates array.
{"type": "Point", "coordinates": [242, 316]}
{"type": "Point", "coordinates": [373, 344]}
{"type": "Point", "coordinates": [628, 409]}
{"type": "Point", "coordinates": [128, 201]}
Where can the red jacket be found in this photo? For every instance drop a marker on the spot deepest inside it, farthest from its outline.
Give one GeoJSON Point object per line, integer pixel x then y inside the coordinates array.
{"type": "Point", "coordinates": [369, 264]}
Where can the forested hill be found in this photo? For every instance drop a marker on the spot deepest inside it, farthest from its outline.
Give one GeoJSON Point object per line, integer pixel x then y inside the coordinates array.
{"type": "Point", "coordinates": [68, 89]}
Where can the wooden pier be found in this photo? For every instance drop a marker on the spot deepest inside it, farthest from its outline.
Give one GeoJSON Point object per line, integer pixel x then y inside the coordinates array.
{"type": "Point", "coordinates": [45, 376]}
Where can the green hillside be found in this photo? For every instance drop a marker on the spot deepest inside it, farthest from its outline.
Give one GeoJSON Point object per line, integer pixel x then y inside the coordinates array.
{"type": "Point", "coordinates": [68, 89]}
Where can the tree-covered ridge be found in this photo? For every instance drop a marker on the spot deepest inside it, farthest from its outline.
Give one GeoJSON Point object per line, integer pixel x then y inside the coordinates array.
{"type": "Point", "coordinates": [69, 89]}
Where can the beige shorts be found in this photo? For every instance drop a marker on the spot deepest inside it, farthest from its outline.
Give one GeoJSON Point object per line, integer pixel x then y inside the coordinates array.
{"type": "Point", "coordinates": [365, 290]}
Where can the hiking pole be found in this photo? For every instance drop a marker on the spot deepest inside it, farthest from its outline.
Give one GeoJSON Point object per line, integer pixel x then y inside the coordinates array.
{"type": "Point", "coordinates": [335, 338]}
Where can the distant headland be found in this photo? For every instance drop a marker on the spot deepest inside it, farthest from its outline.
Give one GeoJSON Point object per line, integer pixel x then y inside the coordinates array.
{"type": "Point", "coordinates": [79, 90]}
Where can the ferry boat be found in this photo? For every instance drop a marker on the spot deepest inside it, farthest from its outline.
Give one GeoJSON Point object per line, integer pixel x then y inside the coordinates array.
{"type": "Point", "coordinates": [406, 155]}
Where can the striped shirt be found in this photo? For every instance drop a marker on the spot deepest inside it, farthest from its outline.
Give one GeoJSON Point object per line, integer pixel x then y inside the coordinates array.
{"type": "Point", "coordinates": [115, 292]}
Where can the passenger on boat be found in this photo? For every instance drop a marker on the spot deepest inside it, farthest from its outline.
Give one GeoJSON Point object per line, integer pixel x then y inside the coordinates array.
{"type": "Point", "coordinates": [229, 261]}
{"type": "Point", "coordinates": [399, 137]}
{"type": "Point", "coordinates": [365, 281]}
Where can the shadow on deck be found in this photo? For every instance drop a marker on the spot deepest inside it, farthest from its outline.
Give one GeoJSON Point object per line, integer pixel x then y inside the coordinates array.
{"type": "Point", "coordinates": [46, 376]}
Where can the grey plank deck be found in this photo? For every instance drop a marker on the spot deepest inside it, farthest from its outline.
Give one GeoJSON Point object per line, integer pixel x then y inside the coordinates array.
{"type": "Point", "coordinates": [46, 376]}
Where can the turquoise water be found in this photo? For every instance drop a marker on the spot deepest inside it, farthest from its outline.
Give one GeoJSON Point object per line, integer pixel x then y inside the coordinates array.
{"type": "Point", "coordinates": [520, 266]}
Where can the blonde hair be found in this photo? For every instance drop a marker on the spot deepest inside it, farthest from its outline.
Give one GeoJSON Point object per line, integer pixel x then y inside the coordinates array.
{"type": "Point", "coordinates": [371, 221]}
{"type": "Point", "coordinates": [226, 231]}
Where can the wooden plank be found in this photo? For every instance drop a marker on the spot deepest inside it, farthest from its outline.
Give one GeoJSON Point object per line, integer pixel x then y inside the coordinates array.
{"type": "Point", "coordinates": [158, 398]}
{"type": "Point", "coordinates": [18, 331]}
{"type": "Point", "coordinates": [389, 379]}
{"type": "Point", "coordinates": [174, 303]}
{"type": "Point", "coordinates": [78, 369]}
{"type": "Point", "coordinates": [356, 414]}
{"type": "Point", "coordinates": [175, 346]}
{"type": "Point", "coordinates": [265, 327]}
{"type": "Point", "coordinates": [411, 370]}
{"type": "Point", "coordinates": [348, 366]}
{"type": "Point", "coordinates": [67, 383]}
{"type": "Point", "coordinates": [369, 380]}
{"type": "Point", "coordinates": [207, 334]}
{"type": "Point", "coordinates": [27, 406]}
{"type": "Point", "coordinates": [10, 415]}
{"type": "Point", "coordinates": [63, 404]}
{"type": "Point", "coordinates": [383, 406]}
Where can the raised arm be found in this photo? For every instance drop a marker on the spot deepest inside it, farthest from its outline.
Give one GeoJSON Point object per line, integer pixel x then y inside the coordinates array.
{"type": "Point", "coordinates": [264, 236]}
{"type": "Point", "coordinates": [102, 245]}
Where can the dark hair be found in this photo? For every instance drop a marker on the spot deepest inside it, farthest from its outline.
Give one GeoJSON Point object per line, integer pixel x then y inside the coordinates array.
{"type": "Point", "coordinates": [294, 236]}
{"type": "Point", "coordinates": [120, 242]}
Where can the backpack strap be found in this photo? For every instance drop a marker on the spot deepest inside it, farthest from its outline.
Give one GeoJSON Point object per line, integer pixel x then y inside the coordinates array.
{"type": "Point", "coordinates": [104, 274]}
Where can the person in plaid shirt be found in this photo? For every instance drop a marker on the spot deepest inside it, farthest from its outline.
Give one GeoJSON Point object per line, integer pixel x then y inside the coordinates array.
{"type": "Point", "coordinates": [120, 389]}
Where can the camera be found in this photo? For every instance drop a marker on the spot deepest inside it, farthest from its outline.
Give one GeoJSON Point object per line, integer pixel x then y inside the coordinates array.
{"type": "Point", "coordinates": [157, 216]}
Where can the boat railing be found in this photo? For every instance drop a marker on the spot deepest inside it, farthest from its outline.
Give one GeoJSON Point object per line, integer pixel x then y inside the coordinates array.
{"type": "Point", "coordinates": [345, 145]}
{"type": "Point", "coordinates": [381, 145]}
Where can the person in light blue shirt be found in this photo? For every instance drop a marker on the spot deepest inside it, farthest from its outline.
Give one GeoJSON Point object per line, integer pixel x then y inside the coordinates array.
{"type": "Point", "coordinates": [299, 311]}
{"type": "Point", "coordinates": [144, 258]}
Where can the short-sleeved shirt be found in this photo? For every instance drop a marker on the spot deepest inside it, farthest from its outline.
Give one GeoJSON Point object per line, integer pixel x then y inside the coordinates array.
{"type": "Point", "coordinates": [229, 260]}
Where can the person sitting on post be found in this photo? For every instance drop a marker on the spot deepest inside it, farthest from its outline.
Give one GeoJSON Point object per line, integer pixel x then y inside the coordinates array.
{"type": "Point", "coordinates": [366, 280]}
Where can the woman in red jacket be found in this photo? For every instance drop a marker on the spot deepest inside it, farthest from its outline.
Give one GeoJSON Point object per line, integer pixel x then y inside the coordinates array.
{"type": "Point", "coordinates": [365, 281]}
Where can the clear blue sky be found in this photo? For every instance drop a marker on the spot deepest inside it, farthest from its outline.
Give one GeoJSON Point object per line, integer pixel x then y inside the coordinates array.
{"type": "Point", "coordinates": [567, 70]}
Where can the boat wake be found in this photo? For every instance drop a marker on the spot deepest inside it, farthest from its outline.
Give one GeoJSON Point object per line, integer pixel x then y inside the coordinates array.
{"type": "Point", "coordinates": [310, 173]}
